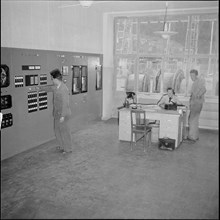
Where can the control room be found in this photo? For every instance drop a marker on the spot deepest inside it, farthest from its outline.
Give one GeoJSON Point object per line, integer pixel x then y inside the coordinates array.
{"type": "Point", "coordinates": [109, 109]}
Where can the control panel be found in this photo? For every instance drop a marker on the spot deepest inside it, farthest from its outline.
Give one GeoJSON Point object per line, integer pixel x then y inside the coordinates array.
{"type": "Point", "coordinates": [26, 111]}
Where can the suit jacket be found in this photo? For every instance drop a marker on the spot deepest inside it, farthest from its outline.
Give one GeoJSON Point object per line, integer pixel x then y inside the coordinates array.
{"type": "Point", "coordinates": [61, 100]}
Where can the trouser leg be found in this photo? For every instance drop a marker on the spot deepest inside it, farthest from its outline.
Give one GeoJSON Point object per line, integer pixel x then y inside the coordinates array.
{"type": "Point", "coordinates": [58, 132]}
{"type": "Point", "coordinates": [66, 135]}
{"type": "Point", "coordinates": [194, 121]}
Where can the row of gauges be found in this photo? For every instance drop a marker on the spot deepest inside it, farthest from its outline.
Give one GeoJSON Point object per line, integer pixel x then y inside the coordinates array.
{"type": "Point", "coordinates": [33, 101]}
{"type": "Point", "coordinates": [30, 80]}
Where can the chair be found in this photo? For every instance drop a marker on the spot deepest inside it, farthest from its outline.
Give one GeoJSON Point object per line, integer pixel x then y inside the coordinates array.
{"type": "Point", "coordinates": [118, 112]}
{"type": "Point", "coordinates": [139, 127]}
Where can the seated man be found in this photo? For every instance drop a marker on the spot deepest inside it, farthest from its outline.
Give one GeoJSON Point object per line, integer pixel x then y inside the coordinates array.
{"type": "Point", "coordinates": [169, 99]}
{"type": "Point", "coordinates": [130, 99]}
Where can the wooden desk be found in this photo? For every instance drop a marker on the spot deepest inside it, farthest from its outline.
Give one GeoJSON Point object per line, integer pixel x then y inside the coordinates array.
{"type": "Point", "coordinates": [172, 124]}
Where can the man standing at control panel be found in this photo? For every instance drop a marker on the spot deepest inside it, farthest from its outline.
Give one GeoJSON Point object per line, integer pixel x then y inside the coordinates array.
{"type": "Point", "coordinates": [61, 110]}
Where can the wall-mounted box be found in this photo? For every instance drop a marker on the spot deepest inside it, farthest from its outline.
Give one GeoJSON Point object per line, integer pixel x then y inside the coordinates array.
{"type": "Point", "coordinates": [6, 102]}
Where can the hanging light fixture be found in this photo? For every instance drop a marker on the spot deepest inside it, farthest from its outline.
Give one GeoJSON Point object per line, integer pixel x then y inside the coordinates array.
{"type": "Point", "coordinates": [165, 33]}
{"type": "Point", "coordinates": [85, 3]}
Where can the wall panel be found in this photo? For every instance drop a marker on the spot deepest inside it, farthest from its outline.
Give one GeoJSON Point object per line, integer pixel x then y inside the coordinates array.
{"type": "Point", "coordinates": [31, 129]}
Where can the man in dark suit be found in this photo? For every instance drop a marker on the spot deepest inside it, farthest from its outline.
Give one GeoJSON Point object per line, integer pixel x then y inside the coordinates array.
{"type": "Point", "coordinates": [61, 110]}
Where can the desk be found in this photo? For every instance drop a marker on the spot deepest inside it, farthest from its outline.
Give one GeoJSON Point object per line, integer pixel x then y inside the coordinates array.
{"type": "Point", "coordinates": [172, 124]}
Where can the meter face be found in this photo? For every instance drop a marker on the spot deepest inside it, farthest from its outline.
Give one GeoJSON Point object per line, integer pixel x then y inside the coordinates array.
{"type": "Point", "coordinates": [4, 76]}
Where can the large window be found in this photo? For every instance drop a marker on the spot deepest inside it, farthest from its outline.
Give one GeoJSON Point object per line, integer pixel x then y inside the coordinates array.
{"type": "Point", "coordinates": [145, 62]}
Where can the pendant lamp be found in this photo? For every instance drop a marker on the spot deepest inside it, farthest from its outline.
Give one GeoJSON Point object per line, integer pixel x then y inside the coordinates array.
{"type": "Point", "coordinates": [165, 33]}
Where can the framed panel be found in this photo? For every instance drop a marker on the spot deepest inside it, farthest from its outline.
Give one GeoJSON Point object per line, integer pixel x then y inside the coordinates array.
{"type": "Point", "coordinates": [98, 77]}
{"type": "Point", "coordinates": [76, 80]}
{"type": "Point", "coordinates": [84, 78]}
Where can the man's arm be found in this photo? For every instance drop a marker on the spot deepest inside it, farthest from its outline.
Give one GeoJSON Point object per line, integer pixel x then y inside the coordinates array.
{"type": "Point", "coordinates": [161, 102]}
{"type": "Point", "coordinates": [48, 88]}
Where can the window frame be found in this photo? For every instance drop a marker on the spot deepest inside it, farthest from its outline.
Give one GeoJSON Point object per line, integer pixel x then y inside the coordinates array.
{"type": "Point", "coordinates": [185, 56]}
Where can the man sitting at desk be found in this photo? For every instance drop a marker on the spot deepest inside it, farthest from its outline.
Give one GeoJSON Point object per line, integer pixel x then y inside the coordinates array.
{"type": "Point", "coordinates": [130, 99]}
{"type": "Point", "coordinates": [169, 99]}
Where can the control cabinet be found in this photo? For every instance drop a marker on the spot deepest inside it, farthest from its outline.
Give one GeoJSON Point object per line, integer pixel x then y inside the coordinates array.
{"type": "Point", "coordinates": [28, 113]}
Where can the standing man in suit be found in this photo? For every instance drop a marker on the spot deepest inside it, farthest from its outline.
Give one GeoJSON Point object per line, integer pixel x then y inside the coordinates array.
{"type": "Point", "coordinates": [196, 101]}
{"type": "Point", "coordinates": [61, 110]}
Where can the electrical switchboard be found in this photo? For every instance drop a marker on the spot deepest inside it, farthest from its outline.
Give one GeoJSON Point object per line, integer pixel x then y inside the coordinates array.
{"type": "Point", "coordinates": [27, 113]}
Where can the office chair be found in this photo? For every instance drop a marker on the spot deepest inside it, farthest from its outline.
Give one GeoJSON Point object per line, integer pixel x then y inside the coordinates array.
{"type": "Point", "coordinates": [139, 127]}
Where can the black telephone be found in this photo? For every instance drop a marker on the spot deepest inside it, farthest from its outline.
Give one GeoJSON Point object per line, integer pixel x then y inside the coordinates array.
{"type": "Point", "coordinates": [172, 106]}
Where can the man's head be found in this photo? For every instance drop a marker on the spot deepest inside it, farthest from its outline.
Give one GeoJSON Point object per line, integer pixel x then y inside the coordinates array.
{"type": "Point", "coordinates": [130, 95]}
{"type": "Point", "coordinates": [56, 76]}
{"type": "Point", "coordinates": [170, 92]}
{"type": "Point", "coordinates": [193, 74]}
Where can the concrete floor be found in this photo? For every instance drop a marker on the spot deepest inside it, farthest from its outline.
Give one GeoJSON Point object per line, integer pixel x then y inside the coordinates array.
{"type": "Point", "coordinates": [103, 179]}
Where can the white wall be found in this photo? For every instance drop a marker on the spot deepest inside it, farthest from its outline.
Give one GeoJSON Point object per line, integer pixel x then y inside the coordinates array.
{"type": "Point", "coordinates": [43, 25]}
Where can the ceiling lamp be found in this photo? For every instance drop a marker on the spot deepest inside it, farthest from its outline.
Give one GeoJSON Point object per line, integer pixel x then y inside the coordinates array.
{"type": "Point", "coordinates": [85, 3]}
{"type": "Point", "coordinates": [165, 33]}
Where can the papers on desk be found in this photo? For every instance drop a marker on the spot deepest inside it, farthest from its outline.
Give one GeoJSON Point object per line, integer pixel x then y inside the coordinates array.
{"type": "Point", "coordinates": [151, 107]}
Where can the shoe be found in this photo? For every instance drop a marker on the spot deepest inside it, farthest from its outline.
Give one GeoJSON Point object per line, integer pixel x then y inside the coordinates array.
{"type": "Point", "coordinates": [65, 152]}
{"type": "Point", "coordinates": [59, 148]}
{"type": "Point", "coordinates": [189, 141]}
